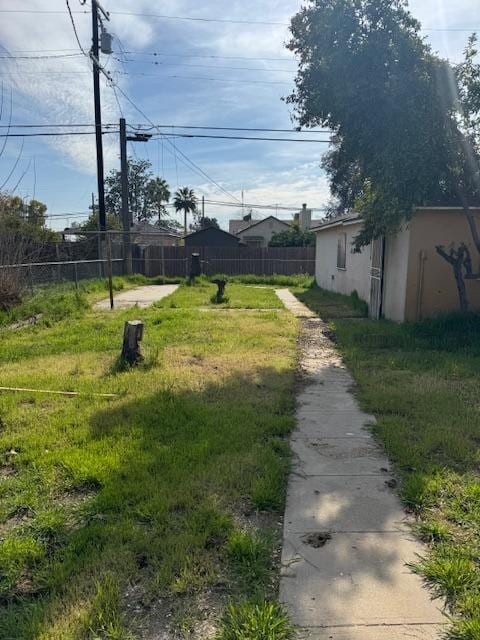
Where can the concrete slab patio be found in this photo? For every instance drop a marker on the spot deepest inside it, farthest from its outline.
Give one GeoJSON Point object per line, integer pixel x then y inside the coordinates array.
{"type": "Point", "coordinates": [140, 296]}
{"type": "Point", "coordinates": [347, 540]}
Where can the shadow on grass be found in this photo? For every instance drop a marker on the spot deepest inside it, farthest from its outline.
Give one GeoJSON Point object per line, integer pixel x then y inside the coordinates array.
{"type": "Point", "coordinates": [174, 471]}
{"type": "Point", "coordinates": [330, 305]}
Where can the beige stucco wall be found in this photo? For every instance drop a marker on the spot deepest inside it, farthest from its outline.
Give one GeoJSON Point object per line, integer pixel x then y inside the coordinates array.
{"type": "Point", "coordinates": [355, 276]}
{"type": "Point", "coordinates": [265, 230]}
{"type": "Point", "coordinates": [436, 292]}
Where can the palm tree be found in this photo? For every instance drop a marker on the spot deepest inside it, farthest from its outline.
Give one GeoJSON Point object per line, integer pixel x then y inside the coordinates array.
{"type": "Point", "coordinates": [159, 193]}
{"type": "Point", "coordinates": [185, 200]}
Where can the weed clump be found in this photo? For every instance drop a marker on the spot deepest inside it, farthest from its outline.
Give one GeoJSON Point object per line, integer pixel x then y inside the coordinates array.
{"type": "Point", "coordinates": [247, 621]}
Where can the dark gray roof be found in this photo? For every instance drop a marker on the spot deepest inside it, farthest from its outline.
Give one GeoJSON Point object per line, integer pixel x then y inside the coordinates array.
{"type": "Point", "coordinates": [337, 220]}
{"type": "Point", "coordinates": [235, 226]}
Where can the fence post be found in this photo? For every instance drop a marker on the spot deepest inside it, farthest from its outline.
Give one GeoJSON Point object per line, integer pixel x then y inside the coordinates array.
{"type": "Point", "coordinates": [109, 267]}
{"type": "Point", "coordinates": [59, 268]}
{"type": "Point", "coordinates": [75, 273]}
{"type": "Point", "coordinates": [30, 279]}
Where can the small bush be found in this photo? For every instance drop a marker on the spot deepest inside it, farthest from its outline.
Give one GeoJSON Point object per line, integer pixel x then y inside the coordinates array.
{"type": "Point", "coordinates": [266, 621]}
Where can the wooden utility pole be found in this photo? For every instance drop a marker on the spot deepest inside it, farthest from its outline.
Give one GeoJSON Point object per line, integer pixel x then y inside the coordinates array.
{"type": "Point", "coordinates": [98, 115]}
{"type": "Point", "coordinates": [126, 214]}
{"type": "Point", "coordinates": [126, 221]}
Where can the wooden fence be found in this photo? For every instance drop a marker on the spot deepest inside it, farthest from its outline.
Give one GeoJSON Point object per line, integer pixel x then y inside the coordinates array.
{"type": "Point", "coordinates": [175, 261]}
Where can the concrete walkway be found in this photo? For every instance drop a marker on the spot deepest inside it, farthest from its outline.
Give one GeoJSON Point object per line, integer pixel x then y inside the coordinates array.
{"type": "Point", "coordinates": [346, 536]}
{"type": "Point", "coordinates": [141, 296]}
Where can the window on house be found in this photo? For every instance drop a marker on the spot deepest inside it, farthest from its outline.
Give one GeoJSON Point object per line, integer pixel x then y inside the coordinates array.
{"type": "Point", "coordinates": [342, 251]}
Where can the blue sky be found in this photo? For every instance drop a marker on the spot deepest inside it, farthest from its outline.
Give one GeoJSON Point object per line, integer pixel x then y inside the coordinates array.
{"type": "Point", "coordinates": [61, 171]}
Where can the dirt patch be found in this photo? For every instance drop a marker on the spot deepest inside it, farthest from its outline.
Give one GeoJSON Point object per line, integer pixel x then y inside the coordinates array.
{"type": "Point", "coordinates": [173, 618]}
{"type": "Point", "coordinates": [7, 471]}
{"type": "Point", "coordinates": [33, 320]}
{"type": "Point", "coordinates": [318, 539]}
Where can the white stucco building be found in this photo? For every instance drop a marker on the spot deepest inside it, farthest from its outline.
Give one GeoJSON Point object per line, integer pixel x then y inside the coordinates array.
{"type": "Point", "coordinates": [401, 277]}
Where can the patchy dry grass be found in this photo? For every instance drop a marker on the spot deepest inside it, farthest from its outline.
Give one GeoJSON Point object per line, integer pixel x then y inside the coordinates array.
{"type": "Point", "coordinates": [114, 513]}
{"type": "Point", "coordinates": [421, 382]}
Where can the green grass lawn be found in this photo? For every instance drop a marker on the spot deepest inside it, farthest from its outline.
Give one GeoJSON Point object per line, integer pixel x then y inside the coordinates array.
{"type": "Point", "coordinates": [422, 383]}
{"type": "Point", "coordinates": [238, 296]}
{"type": "Point", "coordinates": [60, 300]}
{"type": "Point", "coordinates": [155, 508]}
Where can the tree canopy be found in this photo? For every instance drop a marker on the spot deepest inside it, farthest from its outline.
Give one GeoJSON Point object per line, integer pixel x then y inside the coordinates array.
{"type": "Point", "coordinates": [203, 222]}
{"type": "Point", "coordinates": [397, 111]}
{"type": "Point", "coordinates": [147, 194]}
{"type": "Point", "coordinates": [185, 200]}
{"type": "Point", "coordinates": [293, 237]}
{"type": "Point", "coordinates": [24, 218]}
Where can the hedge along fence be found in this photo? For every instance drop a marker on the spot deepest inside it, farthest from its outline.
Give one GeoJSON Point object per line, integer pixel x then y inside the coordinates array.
{"type": "Point", "coordinates": [175, 261]}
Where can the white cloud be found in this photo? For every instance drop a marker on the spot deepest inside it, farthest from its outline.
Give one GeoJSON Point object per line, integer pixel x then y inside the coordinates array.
{"type": "Point", "coordinates": [269, 173]}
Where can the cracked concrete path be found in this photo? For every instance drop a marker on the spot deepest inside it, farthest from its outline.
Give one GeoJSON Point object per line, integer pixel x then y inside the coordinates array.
{"type": "Point", "coordinates": [352, 583]}
{"type": "Point", "coordinates": [141, 296]}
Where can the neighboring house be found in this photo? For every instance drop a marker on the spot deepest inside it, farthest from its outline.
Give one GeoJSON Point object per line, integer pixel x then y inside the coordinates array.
{"type": "Point", "coordinates": [258, 233]}
{"type": "Point", "coordinates": [211, 237]}
{"type": "Point", "coordinates": [401, 276]}
{"type": "Point", "coordinates": [144, 234]}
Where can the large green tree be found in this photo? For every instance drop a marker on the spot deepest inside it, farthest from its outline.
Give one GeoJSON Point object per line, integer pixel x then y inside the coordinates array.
{"type": "Point", "coordinates": [366, 73]}
{"type": "Point", "coordinates": [403, 120]}
{"type": "Point", "coordinates": [147, 194]}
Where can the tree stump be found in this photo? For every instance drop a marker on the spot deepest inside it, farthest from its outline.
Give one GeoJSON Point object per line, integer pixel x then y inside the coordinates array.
{"type": "Point", "coordinates": [132, 336]}
{"type": "Point", "coordinates": [221, 284]}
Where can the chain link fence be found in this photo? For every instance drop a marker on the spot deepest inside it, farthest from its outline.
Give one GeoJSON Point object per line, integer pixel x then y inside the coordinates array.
{"type": "Point", "coordinates": [97, 255]}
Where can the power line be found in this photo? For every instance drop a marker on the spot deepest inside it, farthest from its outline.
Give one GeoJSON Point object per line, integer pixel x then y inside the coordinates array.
{"type": "Point", "coordinates": [152, 15]}
{"type": "Point", "coordinates": [205, 66]}
{"type": "Point", "coordinates": [52, 134]}
{"type": "Point", "coordinates": [203, 78]}
{"type": "Point", "coordinates": [184, 156]}
{"type": "Point", "coordinates": [144, 127]}
{"type": "Point", "coordinates": [75, 29]}
{"type": "Point", "coordinates": [153, 75]}
{"type": "Point", "coordinates": [44, 125]}
{"type": "Point", "coordinates": [205, 56]}
{"type": "Point", "coordinates": [199, 135]}
{"type": "Point", "coordinates": [40, 50]}
{"type": "Point", "coordinates": [9, 123]}
{"type": "Point", "coordinates": [162, 54]}
{"type": "Point", "coordinates": [262, 206]}
{"type": "Point", "coordinates": [21, 177]}
{"type": "Point", "coordinates": [20, 153]}
{"type": "Point", "coordinates": [200, 19]}
{"type": "Point", "coordinates": [42, 57]}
